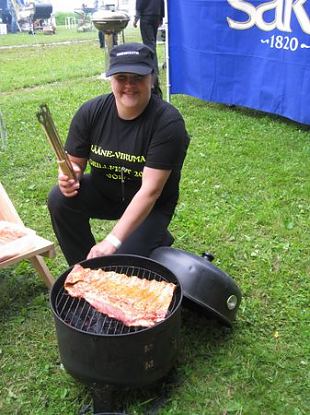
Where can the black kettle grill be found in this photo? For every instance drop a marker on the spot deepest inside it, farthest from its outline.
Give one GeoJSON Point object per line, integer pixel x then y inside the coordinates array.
{"type": "Point", "coordinates": [104, 354]}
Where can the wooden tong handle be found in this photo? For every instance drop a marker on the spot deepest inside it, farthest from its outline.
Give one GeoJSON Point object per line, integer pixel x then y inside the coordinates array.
{"type": "Point", "coordinates": [66, 168]}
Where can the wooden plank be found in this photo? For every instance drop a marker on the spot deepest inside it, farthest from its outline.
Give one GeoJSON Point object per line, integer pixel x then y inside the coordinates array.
{"type": "Point", "coordinates": [41, 246]}
{"type": "Point", "coordinates": [40, 266]}
{"type": "Point", "coordinates": [8, 211]}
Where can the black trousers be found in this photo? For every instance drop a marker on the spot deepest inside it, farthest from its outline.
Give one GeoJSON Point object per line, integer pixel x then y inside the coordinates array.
{"type": "Point", "coordinates": [149, 28]}
{"type": "Point", "coordinates": [71, 223]}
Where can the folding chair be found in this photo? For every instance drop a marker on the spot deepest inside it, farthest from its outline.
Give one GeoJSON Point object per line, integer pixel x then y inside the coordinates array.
{"type": "Point", "coordinates": [40, 246]}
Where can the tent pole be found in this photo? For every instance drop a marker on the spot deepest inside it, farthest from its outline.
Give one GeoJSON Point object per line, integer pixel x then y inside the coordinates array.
{"type": "Point", "coordinates": [167, 53]}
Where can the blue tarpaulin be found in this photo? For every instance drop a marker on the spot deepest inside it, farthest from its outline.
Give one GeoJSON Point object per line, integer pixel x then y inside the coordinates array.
{"type": "Point", "coordinates": [254, 54]}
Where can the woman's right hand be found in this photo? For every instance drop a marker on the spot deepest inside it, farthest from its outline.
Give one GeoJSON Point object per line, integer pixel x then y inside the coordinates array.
{"type": "Point", "coordinates": [69, 187]}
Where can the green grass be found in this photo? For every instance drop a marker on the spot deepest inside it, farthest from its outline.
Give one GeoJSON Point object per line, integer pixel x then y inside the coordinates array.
{"type": "Point", "coordinates": [62, 35]}
{"type": "Point", "coordinates": [245, 197]}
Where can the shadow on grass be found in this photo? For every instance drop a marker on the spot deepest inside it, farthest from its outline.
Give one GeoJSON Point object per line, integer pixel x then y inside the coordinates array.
{"type": "Point", "coordinates": [261, 114]}
{"type": "Point", "coordinates": [201, 339]}
{"type": "Point", "coordinates": [249, 112]}
{"type": "Point", "coordinates": [19, 286]}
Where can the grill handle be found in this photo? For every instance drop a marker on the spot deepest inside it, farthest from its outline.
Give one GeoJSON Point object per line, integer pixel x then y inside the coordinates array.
{"type": "Point", "coordinates": [208, 256]}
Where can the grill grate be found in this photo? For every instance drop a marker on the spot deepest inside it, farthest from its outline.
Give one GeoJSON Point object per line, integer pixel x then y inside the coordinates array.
{"type": "Point", "coordinates": [77, 313]}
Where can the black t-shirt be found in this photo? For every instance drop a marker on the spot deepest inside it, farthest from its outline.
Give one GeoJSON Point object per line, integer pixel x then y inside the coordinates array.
{"type": "Point", "coordinates": [119, 149]}
{"type": "Point", "coordinates": [150, 8]}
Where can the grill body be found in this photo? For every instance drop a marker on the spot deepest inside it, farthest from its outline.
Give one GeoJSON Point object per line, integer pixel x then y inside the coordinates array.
{"type": "Point", "coordinates": [97, 349]}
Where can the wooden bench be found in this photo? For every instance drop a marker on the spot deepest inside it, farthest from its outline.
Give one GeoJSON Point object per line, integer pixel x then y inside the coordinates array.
{"type": "Point", "coordinates": [40, 247]}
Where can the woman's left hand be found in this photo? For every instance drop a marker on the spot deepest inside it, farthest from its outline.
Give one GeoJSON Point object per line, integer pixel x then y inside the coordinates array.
{"type": "Point", "coordinates": [101, 249]}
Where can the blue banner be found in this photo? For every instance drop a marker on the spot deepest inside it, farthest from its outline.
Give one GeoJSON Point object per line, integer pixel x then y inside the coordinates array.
{"type": "Point", "coordinates": [254, 54]}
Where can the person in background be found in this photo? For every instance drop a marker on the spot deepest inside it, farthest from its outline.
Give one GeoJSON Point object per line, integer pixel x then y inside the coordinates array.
{"type": "Point", "coordinates": [101, 39]}
{"type": "Point", "coordinates": [135, 144]}
{"type": "Point", "coordinates": [151, 14]}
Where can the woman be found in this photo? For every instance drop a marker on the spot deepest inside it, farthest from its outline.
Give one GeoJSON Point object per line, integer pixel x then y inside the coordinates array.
{"type": "Point", "coordinates": [135, 144]}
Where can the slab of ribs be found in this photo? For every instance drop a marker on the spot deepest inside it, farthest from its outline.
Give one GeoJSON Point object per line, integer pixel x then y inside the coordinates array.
{"type": "Point", "coordinates": [132, 300]}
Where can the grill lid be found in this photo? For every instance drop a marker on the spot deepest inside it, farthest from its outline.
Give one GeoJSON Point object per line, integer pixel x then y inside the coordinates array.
{"type": "Point", "coordinates": [108, 21]}
{"type": "Point", "coordinates": [204, 285]}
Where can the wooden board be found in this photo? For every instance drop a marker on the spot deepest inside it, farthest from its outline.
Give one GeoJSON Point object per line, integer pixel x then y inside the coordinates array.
{"type": "Point", "coordinates": [38, 246]}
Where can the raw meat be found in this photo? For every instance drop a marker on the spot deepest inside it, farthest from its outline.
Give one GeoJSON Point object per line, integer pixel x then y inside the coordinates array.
{"type": "Point", "coordinates": [133, 301]}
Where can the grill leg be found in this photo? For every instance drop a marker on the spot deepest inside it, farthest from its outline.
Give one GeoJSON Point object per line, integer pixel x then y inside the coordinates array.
{"type": "Point", "coordinates": [102, 398]}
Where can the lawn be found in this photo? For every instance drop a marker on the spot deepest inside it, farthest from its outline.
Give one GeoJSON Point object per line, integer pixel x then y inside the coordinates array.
{"type": "Point", "coordinates": [245, 197]}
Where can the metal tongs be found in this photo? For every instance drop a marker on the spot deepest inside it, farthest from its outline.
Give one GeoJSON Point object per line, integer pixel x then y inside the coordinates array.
{"type": "Point", "coordinates": [45, 118]}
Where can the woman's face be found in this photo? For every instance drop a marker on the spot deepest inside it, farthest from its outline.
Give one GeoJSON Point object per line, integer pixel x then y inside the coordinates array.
{"type": "Point", "coordinates": [132, 92]}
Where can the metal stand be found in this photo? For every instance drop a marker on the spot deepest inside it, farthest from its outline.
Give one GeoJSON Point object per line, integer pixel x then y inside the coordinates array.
{"type": "Point", "coordinates": [167, 66]}
{"type": "Point", "coordinates": [111, 40]}
{"type": "Point", "coordinates": [102, 399]}
{"type": "Point", "coordinates": [109, 43]}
